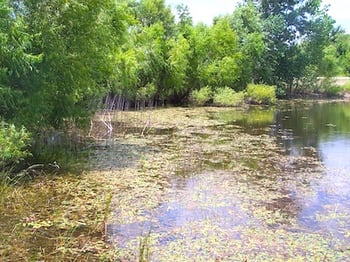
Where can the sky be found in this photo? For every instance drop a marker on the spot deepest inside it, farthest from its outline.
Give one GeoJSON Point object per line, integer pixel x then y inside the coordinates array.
{"type": "Point", "coordinates": [206, 10]}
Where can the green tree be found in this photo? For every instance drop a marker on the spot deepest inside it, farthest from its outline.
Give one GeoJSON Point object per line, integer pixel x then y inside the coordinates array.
{"type": "Point", "coordinates": [150, 12]}
{"type": "Point", "coordinates": [220, 65]}
{"type": "Point", "coordinates": [185, 23]}
{"type": "Point", "coordinates": [15, 59]}
{"type": "Point", "coordinates": [178, 64]}
{"type": "Point", "coordinates": [290, 28]}
{"type": "Point", "coordinates": [77, 40]}
{"type": "Point", "coordinates": [342, 45]}
{"type": "Point", "coordinates": [247, 22]}
{"type": "Point", "coordinates": [151, 50]}
{"type": "Point", "coordinates": [330, 64]}
{"type": "Point", "coordinates": [151, 43]}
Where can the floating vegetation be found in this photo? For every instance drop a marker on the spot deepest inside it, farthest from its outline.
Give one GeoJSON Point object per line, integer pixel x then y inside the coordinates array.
{"type": "Point", "coordinates": [185, 185]}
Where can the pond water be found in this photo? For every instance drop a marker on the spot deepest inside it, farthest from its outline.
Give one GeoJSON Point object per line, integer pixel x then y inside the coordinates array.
{"type": "Point", "coordinates": [261, 183]}
{"type": "Point", "coordinates": [317, 127]}
{"type": "Point", "coordinates": [191, 184]}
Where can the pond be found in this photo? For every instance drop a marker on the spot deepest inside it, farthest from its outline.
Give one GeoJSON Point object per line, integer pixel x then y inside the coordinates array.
{"type": "Point", "coordinates": [238, 184]}
{"type": "Point", "coordinates": [321, 128]}
{"type": "Point", "coordinates": [193, 184]}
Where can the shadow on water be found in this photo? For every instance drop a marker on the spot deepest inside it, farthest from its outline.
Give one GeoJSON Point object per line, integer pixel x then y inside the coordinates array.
{"type": "Point", "coordinates": [104, 153]}
{"type": "Point", "coordinates": [114, 154]}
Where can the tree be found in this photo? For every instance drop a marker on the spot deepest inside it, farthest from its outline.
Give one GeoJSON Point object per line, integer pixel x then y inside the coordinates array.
{"type": "Point", "coordinates": [289, 28]}
{"type": "Point", "coordinates": [185, 23]}
{"type": "Point", "coordinates": [330, 64]}
{"type": "Point", "coordinates": [178, 63]}
{"type": "Point", "coordinates": [151, 50]}
{"type": "Point", "coordinates": [221, 57]}
{"type": "Point", "coordinates": [246, 21]}
{"type": "Point", "coordinates": [149, 47]}
{"type": "Point", "coordinates": [150, 12]}
{"type": "Point", "coordinates": [342, 45]}
{"type": "Point", "coordinates": [15, 59]}
{"type": "Point", "coordinates": [77, 40]}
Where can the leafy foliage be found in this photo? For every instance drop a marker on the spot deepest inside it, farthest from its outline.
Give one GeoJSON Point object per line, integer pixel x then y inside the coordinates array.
{"type": "Point", "coordinates": [15, 60]}
{"type": "Point", "coordinates": [60, 58]}
{"type": "Point", "coordinates": [261, 94]}
{"type": "Point", "coordinates": [14, 144]}
{"type": "Point", "coordinates": [77, 40]}
{"type": "Point", "coordinates": [221, 63]}
{"type": "Point", "coordinates": [178, 63]}
{"type": "Point", "coordinates": [202, 96]}
{"type": "Point", "coordinates": [228, 97]}
{"type": "Point", "coordinates": [346, 86]}
{"type": "Point", "coordinates": [295, 34]}
{"type": "Point", "coordinates": [247, 22]}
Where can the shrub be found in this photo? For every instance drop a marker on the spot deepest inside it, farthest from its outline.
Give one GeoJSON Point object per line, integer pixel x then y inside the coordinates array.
{"type": "Point", "coordinates": [330, 88]}
{"type": "Point", "coordinates": [346, 87]}
{"type": "Point", "coordinates": [261, 94]}
{"type": "Point", "coordinates": [333, 90]}
{"type": "Point", "coordinates": [13, 144]}
{"type": "Point", "coordinates": [228, 97]}
{"type": "Point", "coordinates": [202, 96]}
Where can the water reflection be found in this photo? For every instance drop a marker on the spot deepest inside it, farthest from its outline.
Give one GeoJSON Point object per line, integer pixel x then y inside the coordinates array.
{"type": "Point", "coordinates": [311, 124]}
{"type": "Point", "coordinates": [321, 128]}
{"type": "Point", "coordinates": [253, 121]}
{"type": "Point", "coordinates": [256, 184]}
{"type": "Point", "coordinates": [193, 199]}
{"type": "Point", "coordinates": [301, 126]}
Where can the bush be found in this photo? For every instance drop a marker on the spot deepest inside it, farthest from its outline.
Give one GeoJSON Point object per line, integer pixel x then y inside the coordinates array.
{"type": "Point", "coordinates": [333, 90]}
{"type": "Point", "coordinates": [330, 88]}
{"type": "Point", "coordinates": [13, 145]}
{"type": "Point", "coordinates": [261, 94]}
{"type": "Point", "coordinates": [346, 87]}
{"type": "Point", "coordinates": [228, 97]}
{"type": "Point", "coordinates": [202, 96]}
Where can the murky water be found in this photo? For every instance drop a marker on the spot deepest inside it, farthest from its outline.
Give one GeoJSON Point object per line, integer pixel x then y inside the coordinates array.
{"type": "Point", "coordinates": [255, 183]}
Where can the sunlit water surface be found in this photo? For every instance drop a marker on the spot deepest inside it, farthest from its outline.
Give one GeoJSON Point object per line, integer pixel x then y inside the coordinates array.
{"type": "Point", "coordinates": [213, 196]}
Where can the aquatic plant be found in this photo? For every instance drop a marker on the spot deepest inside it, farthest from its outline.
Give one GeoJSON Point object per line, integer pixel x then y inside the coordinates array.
{"type": "Point", "coordinates": [208, 190]}
{"type": "Point", "coordinates": [144, 248]}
